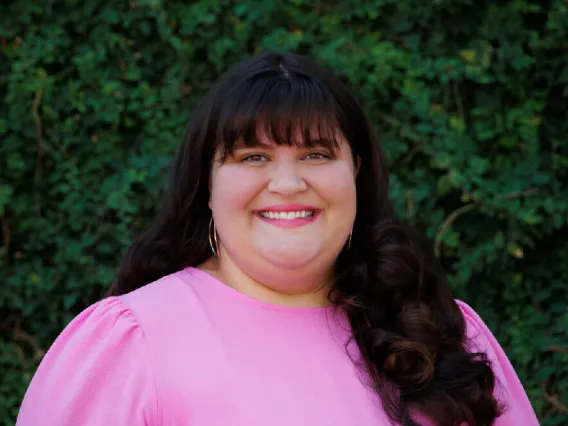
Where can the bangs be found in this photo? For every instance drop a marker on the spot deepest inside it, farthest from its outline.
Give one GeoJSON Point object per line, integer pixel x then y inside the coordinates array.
{"type": "Point", "coordinates": [295, 110]}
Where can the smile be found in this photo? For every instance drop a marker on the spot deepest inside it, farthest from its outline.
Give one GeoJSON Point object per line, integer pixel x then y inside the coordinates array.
{"type": "Point", "coordinates": [289, 218]}
{"type": "Point", "coordinates": [300, 214]}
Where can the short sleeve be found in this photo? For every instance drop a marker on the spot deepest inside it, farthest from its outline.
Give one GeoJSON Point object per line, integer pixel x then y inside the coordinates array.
{"type": "Point", "coordinates": [96, 373]}
{"type": "Point", "coordinates": [509, 390]}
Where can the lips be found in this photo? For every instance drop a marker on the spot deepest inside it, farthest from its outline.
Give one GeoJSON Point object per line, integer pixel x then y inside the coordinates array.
{"type": "Point", "coordinates": [289, 214]}
{"type": "Point", "coordinates": [288, 211]}
{"type": "Point", "coordinates": [303, 214]}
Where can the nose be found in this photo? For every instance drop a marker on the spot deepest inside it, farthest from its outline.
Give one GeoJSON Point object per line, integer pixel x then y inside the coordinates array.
{"type": "Point", "coordinates": [286, 181]}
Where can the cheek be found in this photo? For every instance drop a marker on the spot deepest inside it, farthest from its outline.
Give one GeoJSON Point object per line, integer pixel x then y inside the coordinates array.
{"type": "Point", "coordinates": [233, 188]}
{"type": "Point", "coordinates": [336, 185]}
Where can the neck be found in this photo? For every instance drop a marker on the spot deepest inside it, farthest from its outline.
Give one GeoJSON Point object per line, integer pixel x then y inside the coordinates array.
{"type": "Point", "coordinates": [313, 293]}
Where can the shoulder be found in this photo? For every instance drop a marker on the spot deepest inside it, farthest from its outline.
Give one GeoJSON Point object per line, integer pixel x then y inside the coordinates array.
{"type": "Point", "coordinates": [508, 390]}
{"type": "Point", "coordinates": [132, 317]}
{"type": "Point", "coordinates": [129, 313]}
{"type": "Point", "coordinates": [164, 290]}
{"type": "Point", "coordinates": [99, 358]}
{"type": "Point", "coordinates": [472, 319]}
{"type": "Point", "coordinates": [106, 329]}
{"type": "Point", "coordinates": [109, 317]}
{"type": "Point", "coordinates": [167, 296]}
{"type": "Point", "coordinates": [478, 335]}
{"type": "Point", "coordinates": [167, 308]}
{"type": "Point", "coordinates": [480, 340]}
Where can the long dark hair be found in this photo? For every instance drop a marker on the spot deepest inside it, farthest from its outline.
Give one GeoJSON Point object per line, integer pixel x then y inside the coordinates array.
{"type": "Point", "coordinates": [408, 327]}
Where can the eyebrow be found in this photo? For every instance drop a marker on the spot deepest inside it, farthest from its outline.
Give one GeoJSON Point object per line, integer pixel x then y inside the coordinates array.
{"type": "Point", "coordinates": [242, 145]}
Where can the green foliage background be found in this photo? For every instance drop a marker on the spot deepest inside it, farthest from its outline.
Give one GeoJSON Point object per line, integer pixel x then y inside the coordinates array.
{"type": "Point", "coordinates": [469, 98]}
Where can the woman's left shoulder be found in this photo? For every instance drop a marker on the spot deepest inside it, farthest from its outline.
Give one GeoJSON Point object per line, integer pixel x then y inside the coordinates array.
{"type": "Point", "coordinates": [479, 338]}
{"type": "Point", "coordinates": [477, 332]}
{"type": "Point", "coordinates": [509, 389]}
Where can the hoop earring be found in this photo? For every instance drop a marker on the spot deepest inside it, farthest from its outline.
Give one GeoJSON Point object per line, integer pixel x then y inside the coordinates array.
{"type": "Point", "coordinates": [214, 248]}
{"type": "Point", "coordinates": [349, 241]}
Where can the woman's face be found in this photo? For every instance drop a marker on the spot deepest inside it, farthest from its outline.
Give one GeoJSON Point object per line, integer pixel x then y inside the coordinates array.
{"type": "Point", "coordinates": [283, 213]}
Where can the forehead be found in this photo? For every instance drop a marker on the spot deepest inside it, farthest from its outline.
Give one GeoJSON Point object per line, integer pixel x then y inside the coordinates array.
{"type": "Point", "coordinates": [302, 126]}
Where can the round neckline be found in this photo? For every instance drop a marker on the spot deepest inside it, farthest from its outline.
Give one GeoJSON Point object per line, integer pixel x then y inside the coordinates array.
{"type": "Point", "coordinates": [235, 294]}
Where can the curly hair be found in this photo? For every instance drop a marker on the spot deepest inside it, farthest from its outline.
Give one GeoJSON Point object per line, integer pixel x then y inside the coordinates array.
{"type": "Point", "coordinates": [408, 328]}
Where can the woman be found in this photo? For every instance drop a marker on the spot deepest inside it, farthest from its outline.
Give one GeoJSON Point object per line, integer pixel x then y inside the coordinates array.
{"type": "Point", "coordinates": [276, 287]}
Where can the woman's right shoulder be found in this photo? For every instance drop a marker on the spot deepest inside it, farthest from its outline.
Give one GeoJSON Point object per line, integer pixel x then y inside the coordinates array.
{"type": "Point", "coordinates": [165, 299]}
{"type": "Point", "coordinates": [114, 350]}
{"type": "Point", "coordinates": [99, 358]}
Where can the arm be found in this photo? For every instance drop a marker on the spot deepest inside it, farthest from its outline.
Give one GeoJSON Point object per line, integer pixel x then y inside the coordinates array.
{"type": "Point", "coordinates": [96, 373]}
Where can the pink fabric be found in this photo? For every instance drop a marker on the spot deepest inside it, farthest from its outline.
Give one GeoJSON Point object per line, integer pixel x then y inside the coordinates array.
{"type": "Point", "coordinates": [189, 351]}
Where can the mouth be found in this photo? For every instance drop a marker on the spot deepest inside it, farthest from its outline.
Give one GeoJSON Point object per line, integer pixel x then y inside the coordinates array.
{"type": "Point", "coordinates": [289, 218]}
{"type": "Point", "coordinates": [291, 215]}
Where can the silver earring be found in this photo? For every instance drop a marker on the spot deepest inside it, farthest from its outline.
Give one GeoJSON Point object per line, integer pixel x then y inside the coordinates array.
{"type": "Point", "coordinates": [214, 248]}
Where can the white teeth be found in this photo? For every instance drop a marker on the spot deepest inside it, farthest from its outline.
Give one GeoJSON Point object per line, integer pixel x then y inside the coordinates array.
{"type": "Point", "coordinates": [288, 215]}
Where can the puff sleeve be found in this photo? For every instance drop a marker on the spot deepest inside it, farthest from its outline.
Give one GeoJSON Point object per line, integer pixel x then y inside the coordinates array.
{"type": "Point", "coordinates": [509, 390]}
{"type": "Point", "coordinates": [97, 372]}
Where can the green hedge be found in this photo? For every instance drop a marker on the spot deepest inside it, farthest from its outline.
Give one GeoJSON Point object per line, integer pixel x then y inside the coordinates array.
{"type": "Point", "coordinates": [469, 98]}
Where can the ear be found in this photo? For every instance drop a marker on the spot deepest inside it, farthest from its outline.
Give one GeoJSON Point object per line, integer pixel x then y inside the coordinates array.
{"type": "Point", "coordinates": [357, 165]}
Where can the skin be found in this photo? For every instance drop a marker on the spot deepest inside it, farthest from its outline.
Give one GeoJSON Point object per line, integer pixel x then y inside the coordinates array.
{"type": "Point", "coordinates": [283, 266]}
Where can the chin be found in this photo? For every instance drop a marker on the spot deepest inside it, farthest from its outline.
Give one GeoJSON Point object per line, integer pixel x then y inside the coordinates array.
{"type": "Point", "coordinates": [287, 260]}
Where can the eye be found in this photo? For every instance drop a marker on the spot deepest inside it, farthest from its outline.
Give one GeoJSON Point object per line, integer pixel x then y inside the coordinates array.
{"type": "Point", "coordinates": [254, 158]}
{"type": "Point", "coordinates": [318, 156]}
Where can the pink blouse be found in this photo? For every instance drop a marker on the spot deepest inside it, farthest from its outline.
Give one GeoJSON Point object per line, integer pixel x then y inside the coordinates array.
{"type": "Point", "coordinates": [187, 350]}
